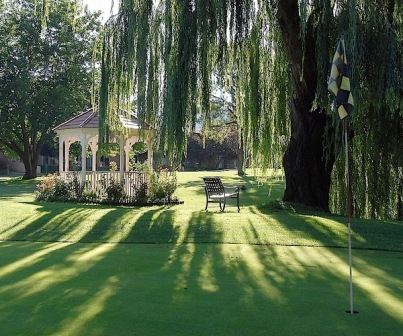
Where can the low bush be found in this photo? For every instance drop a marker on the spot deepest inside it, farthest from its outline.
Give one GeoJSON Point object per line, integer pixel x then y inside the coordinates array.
{"type": "Point", "coordinates": [115, 192]}
{"type": "Point", "coordinates": [89, 196]}
{"type": "Point", "coordinates": [45, 191]}
{"type": "Point", "coordinates": [163, 184]}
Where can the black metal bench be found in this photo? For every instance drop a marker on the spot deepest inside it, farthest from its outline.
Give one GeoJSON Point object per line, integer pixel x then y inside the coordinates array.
{"type": "Point", "coordinates": [216, 192]}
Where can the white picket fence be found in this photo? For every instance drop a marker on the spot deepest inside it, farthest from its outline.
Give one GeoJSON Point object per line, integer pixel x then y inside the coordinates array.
{"type": "Point", "coordinates": [99, 181]}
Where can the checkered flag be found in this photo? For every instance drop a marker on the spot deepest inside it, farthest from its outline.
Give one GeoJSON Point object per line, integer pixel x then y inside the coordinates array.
{"type": "Point", "coordinates": [339, 82]}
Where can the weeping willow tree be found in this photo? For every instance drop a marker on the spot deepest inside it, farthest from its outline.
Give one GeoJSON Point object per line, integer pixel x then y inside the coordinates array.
{"type": "Point", "coordinates": [376, 33]}
{"type": "Point", "coordinates": [163, 56]}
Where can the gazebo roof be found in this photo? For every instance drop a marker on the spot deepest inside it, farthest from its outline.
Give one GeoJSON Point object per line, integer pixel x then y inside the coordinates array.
{"type": "Point", "coordinates": [90, 119]}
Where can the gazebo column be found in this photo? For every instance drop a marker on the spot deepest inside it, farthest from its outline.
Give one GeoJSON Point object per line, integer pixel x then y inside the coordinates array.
{"type": "Point", "coordinates": [94, 159]}
{"type": "Point", "coordinates": [127, 158]}
{"type": "Point", "coordinates": [122, 167]}
{"type": "Point", "coordinates": [67, 144]}
{"type": "Point", "coordinates": [93, 143]}
{"type": "Point", "coordinates": [83, 141]}
{"type": "Point", "coordinates": [66, 156]}
{"type": "Point", "coordinates": [128, 147]}
{"type": "Point", "coordinates": [61, 156]}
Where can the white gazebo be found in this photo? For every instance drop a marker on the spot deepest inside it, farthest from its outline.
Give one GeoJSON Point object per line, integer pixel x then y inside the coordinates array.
{"type": "Point", "coordinates": [84, 128]}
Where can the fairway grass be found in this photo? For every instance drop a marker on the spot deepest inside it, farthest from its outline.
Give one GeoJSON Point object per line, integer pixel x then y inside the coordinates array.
{"type": "Point", "coordinates": [272, 269]}
{"type": "Point", "coordinates": [196, 289]}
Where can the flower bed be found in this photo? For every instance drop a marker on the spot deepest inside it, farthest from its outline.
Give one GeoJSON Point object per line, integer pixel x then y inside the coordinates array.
{"type": "Point", "coordinates": [158, 191]}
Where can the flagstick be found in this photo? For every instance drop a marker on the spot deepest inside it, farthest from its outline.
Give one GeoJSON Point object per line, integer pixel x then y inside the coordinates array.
{"type": "Point", "coordinates": [348, 187]}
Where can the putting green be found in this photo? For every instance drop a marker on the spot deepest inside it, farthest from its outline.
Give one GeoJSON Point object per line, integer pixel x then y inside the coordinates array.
{"type": "Point", "coordinates": [196, 289]}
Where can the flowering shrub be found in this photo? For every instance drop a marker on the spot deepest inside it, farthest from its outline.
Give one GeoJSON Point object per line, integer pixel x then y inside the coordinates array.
{"type": "Point", "coordinates": [163, 184]}
{"type": "Point", "coordinates": [53, 188]}
{"type": "Point", "coordinates": [45, 191]}
{"type": "Point", "coordinates": [158, 190]}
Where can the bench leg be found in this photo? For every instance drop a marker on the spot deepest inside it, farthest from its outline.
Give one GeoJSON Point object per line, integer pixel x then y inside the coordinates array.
{"type": "Point", "coordinates": [222, 208]}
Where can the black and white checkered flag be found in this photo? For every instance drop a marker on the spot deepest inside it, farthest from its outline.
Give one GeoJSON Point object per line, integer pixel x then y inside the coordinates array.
{"type": "Point", "coordinates": [339, 82]}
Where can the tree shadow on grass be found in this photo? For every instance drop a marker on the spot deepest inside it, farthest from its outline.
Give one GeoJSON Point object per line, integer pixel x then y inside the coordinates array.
{"type": "Point", "coordinates": [325, 229]}
{"type": "Point", "coordinates": [193, 276]}
{"type": "Point", "coordinates": [68, 222]}
{"type": "Point", "coordinates": [193, 285]}
{"type": "Point", "coordinates": [267, 289]}
{"type": "Point", "coordinates": [15, 187]}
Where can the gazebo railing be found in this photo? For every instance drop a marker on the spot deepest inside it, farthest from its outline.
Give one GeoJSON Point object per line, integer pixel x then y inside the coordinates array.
{"type": "Point", "coordinates": [99, 181]}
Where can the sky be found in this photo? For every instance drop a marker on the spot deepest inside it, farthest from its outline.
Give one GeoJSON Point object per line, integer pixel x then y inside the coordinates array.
{"type": "Point", "coordinates": [102, 5]}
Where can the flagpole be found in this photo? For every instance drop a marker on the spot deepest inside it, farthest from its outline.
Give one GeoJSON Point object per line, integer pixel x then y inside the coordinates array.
{"type": "Point", "coordinates": [339, 85]}
{"type": "Point", "coordinates": [348, 205]}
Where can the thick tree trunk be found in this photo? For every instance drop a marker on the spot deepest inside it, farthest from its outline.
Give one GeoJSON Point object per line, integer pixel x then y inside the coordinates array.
{"type": "Point", "coordinates": [30, 159]}
{"type": "Point", "coordinates": [307, 165]}
{"type": "Point", "coordinates": [30, 155]}
{"type": "Point", "coordinates": [30, 169]}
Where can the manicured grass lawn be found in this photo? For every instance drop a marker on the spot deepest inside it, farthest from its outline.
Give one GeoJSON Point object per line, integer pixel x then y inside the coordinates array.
{"type": "Point", "coordinates": [272, 269]}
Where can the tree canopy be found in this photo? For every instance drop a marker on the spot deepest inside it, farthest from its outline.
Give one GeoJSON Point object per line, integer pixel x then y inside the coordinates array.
{"type": "Point", "coordinates": [45, 72]}
{"type": "Point", "coordinates": [280, 52]}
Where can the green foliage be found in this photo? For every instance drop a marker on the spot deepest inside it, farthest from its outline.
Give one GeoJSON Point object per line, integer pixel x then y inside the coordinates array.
{"type": "Point", "coordinates": [166, 57]}
{"type": "Point", "coordinates": [115, 192]}
{"type": "Point", "coordinates": [139, 167]}
{"type": "Point", "coordinates": [45, 191]}
{"type": "Point", "coordinates": [376, 58]}
{"type": "Point", "coordinates": [45, 72]}
{"type": "Point", "coordinates": [139, 148]}
{"type": "Point", "coordinates": [76, 150]}
{"type": "Point", "coordinates": [163, 184]}
{"type": "Point", "coordinates": [135, 165]}
{"type": "Point", "coordinates": [53, 188]}
{"type": "Point", "coordinates": [89, 196]}
{"type": "Point", "coordinates": [61, 190]}
{"type": "Point", "coordinates": [108, 149]}
{"type": "Point", "coordinates": [124, 68]}
{"type": "Point", "coordinates": [179, 70]}
{"type": "Point", "coordinates": [141, 196]}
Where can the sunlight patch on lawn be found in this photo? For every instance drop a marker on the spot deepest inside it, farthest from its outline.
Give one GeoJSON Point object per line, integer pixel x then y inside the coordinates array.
{"type": "Point", "coordinates": [74, 265]}
{"type": "Point", "coordinates": [183, 229]}
{"type": "Point", "coordinates": [207, 279]}
{"type": "Point", "coordinates": [245, 261]}
{"type": "Point", "coordinates": [86, 257]}
{"type": "Point", "coordinates": [74, 224]}
{"type": "Point", "coordinates": [186, 265]}
{"type": "Point", "coordinates": [10, 230]}
{"type": "Point", "coordinates": [328, 261]}
{"type": "Point", "coordinates": [328, 227]}
{"type": "Point", "coordinates": [119, 230]}
{"type": "Point", "coordinates": [381, 293]}
{"type": "Point", "coordinates": [30, 260]}
{"type": "Point", "coordinates": [75, 323]}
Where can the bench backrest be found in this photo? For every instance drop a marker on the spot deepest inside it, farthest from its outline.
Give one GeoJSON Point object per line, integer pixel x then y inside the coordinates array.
{"type": "Point", "coordinates": [213, 185]}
